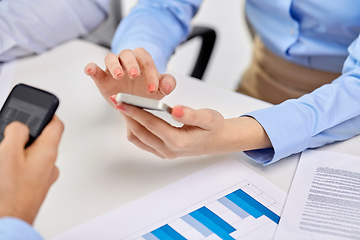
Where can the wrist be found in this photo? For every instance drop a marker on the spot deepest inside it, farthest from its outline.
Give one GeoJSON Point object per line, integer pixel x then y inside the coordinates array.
{"type": "Point", "coordinates": [242, 134]}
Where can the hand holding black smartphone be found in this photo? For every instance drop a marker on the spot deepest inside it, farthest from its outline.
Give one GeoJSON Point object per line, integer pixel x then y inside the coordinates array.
{"type": "Point", "coordinates": [29, 105]}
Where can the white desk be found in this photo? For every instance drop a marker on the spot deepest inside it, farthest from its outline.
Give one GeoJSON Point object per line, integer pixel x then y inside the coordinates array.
{"type": "Point", "coordinates": [99, 169]}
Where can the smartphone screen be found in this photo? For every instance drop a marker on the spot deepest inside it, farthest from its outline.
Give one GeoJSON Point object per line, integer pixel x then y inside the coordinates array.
{"type": "Point", "coordinates": [29, 105]}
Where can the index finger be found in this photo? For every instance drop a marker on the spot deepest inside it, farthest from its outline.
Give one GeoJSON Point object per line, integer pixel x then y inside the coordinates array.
{"type": "Point", "coordinates": [152, 123]}
{"type": "Point", "coordinates": [148, 69]}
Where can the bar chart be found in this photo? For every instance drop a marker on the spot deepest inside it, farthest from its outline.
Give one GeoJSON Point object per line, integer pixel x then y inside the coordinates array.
{"type": "Point", "coordinates": [224, 201]}
{"type": "Point", "coordinates": [232, 216]}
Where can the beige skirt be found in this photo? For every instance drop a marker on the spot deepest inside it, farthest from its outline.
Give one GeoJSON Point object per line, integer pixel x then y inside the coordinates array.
{"type": "Point", "coordinates": [273, 79]}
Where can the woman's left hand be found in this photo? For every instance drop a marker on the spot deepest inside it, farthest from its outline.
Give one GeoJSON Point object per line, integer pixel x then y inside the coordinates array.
{"type": "Point", "coordinates": [205, 131]}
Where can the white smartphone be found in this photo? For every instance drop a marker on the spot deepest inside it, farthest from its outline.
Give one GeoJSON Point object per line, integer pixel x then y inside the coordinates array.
{"type": "Point", "coordinates": [142, 102]}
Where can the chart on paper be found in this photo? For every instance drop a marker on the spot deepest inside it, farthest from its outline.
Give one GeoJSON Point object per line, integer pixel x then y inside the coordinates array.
{"type": "Point", "coordinates": [240, 214]}
{"type": "Point", "coordinates": [224, 201]}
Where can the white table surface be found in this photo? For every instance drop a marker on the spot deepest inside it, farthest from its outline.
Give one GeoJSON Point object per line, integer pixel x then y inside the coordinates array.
{"type": "Point", "coordinates": [99, 169]}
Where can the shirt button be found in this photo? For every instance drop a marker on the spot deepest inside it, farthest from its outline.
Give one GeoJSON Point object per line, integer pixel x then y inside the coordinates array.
{"type": "Point", "coordinates": [292, 31]}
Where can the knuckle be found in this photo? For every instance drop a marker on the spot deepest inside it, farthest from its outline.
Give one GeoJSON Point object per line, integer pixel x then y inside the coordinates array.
{"type": "Point", "coordinates": [51, 155]}
{"type": "Point", "coordinates": [150, 125]}
{"type": "Point", "coordinates": [62, 126]}
{"type": "Point", "coordinates": [148, 65]}
{"type": "Point", "coordinates": [125, 52]}
{"type": "Point", "coordinates": [136, 131]}
{"type": "Point", "coordinates": [212, 118]}
{"type": "Point", "coordinates": [108, 57]}
{"type": "Point", "coordinates": [176, 145]}
{"type": "Point", "coordinates": [131, 137]}
{"type": "Point", "coordinates": [55, 174]}
{"type": "Point", "coordinates": [139, 50]}
{"type": "Point", "coordinates": [170, 155]}
{"type": "Point", "coordinates": [191, 117]}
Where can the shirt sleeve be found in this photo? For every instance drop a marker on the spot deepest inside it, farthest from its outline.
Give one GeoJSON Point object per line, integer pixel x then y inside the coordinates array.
{"type": "Point", "coordinates": [34, 26]}
{"type": "Point", "coordinates": [16, 229]}
{"type": "Point", "coordinates": [328, 114]}
{"type": "Point", "coordinates": [158, 26]}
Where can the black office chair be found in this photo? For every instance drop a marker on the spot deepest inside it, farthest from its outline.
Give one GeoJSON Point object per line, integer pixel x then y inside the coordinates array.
{"type": "Point", "coordinates": [105, 32]}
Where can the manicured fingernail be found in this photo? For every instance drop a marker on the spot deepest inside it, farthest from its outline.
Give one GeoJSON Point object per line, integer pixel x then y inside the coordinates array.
{"type": "Point", "coordinates": [120, 107]}
{"type": "Point", "coordinates": [177, 112]}
{"type": "Point", "coordinates": [117, 72]}
{"type": "Point", "coordinates": [133, 72]}
{"type": "Point", "coordinates": [168, 87]}
{"type": "Point", "coordinates": [113, 99]}
{"type": "Point", "coordinates": [151, 87]}
{"type": "Point", "coordinates": [88, 71]}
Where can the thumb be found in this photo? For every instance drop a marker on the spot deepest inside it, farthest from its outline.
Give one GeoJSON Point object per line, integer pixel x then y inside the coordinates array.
{"type": "Point", "coordinates": [203, 118]}
{"type": "Point", "coordinates": [95, 72]}
{"type": "Point", "coordinates": [16, 135]}
{"type": "Point", "coordinates": [167, 84]}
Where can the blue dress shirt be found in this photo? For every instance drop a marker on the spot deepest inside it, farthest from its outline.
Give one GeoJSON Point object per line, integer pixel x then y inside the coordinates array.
{"type": "Point", "coordinates": [312, 33]}
{"type": "Point", "coordinates": [16, 229]}
{"type": "Point", "coordinates": [28, 27]}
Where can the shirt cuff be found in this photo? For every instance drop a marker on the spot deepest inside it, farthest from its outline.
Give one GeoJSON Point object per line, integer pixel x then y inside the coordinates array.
{"type": "Point", "coordinates": [16, 229]}
{"type": "Point", "coordinates": [263, 156]}
{"type": "Point", "coordinates": [286, 130]}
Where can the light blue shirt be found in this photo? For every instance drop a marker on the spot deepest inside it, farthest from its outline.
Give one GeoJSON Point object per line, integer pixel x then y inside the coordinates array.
{"type": "Point", "coordinates": [312, 33]}
{"type": "Point", "coordinates": [16, 229]}
{"type": "Point", "coordinates": [28, 27]}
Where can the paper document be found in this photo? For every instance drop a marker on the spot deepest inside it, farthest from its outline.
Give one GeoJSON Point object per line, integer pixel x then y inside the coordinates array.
{"type": "Point", "coordinates": [224, 201]}
{"type": "Point", "coordinates": [324, 198]}
{"type": "Point", "coordinates": [7, 71]}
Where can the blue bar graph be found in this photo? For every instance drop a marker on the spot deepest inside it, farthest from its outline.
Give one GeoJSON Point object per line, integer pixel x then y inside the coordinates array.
{"type": "Point", "coordinates": [150, 236]}
{"type": "Point", "coordinates": [233, 207]}
{"type": "Point", "coordinates": [197, 225]}
{"type": "Point", "coordinates": [207, 222]}
{"type": "Point", "coordinates": [213, 222]}
{"type": "Point", "coordinates": [258, 206]}
{"type": "Point", "coordinates": [244, 205]}
{"type": "Point", "coordinates": [167, 233]}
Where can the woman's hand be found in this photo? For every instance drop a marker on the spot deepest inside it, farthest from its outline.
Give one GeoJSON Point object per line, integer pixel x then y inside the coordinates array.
{"type": "Point", "coordinates": [132, 72]}
{"type": "Point", "coordinates": [205, 131]}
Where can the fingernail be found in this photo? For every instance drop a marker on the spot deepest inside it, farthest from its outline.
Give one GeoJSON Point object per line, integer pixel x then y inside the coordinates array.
{"type": "Point", "coordinates": [133, 72]}
{"type": "Point", "coordinates": [88, 71]}
{"type": "Point", "coordinates": [177, 112]}
{"type": "Point", "coordinates": [113, 99]}
{"type": "Point", "coordinates": [117, 72]}
{"type": "Point", "coordinates": [168, 87]}
{"type": "Point", "coordinates": [120, 107]}
{"type": "Point", "coordinates": [151, 87]}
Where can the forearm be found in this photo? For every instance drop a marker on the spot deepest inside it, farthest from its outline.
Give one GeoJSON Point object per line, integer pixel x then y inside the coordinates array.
{"type": "Point", "coordinates": [328, 114]}
{"type": "Point", "coordinates": [29, 27]}
{"type": "Point", "coordinates": [158, 26]}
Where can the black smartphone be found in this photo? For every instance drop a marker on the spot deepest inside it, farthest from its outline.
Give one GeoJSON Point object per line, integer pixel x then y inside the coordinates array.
{"type": "Point", "coordinates": [29, 105]}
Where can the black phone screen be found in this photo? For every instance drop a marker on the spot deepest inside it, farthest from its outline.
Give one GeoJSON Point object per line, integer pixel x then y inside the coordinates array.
{"type": "Point", "coordinates": [30, 106]}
